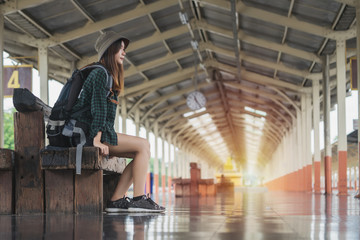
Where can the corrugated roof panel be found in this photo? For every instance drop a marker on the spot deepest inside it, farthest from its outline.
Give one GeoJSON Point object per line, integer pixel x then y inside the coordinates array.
{"type": "Point", "coordinates": [167, 89]}
{"type": "Point", "coordinates": [24, 24]}
{"type": "Point", "coordinates": [225, 59]}
{"type": "Point", "coordinates": [317, 68]}
{"type": "Point", "coordinates": [261, 29]}
{"type": "Point", "coordinates": [216, 16]}
{"type": "Point", "coordinates": [148, 53]}
{"type": "Point", "coordinates": [303, 41]}
{"type": "Point", "coordinates": [346, 18]}
{"type": "Point", "coordinates": [186, 83]}
{"type": "Point", "coordinates": [132, 31]}
{"type": "Point", "coordinates": [133, 80]}
{"type": "Point", "coordinates": [287, 77]}
{"type": "Point", "coordinates": [161, 70]}
{"type": "Point", "coordinates": [179, 43]}
{"type": "Point", "coordinates": [84, 45]}
{"type": "Point", "coordinates": [64, 53]}
{"type": "Point", "coordinates": [104, 9]}
{"type": "Point", "coordinates": [330, 47]}
{"type": "Point", "coordinates": [258, 69]}
{"type": "Point", "coordinates": [259, 52]}
{"type": "Point", "coordinates": [276, 6]}
{"type": "Point", "coordinates": [319, 12]}
{"type": "Point", "coordinates": [10, 26]}
{"type": "Point", "coordinates": [220, 40]}
{"type": "Point", "coordinates": [57, 16]}
{"type": "Point", "coordinates": [295, 62]}
{"type": "Point", "coordinates": [167, 18]}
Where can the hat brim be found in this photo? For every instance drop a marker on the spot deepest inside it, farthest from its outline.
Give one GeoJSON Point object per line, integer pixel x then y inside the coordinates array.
{"type": "Point", "coordinates": [124, 39]}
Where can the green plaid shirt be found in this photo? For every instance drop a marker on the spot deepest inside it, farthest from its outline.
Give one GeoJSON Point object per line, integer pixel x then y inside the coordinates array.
{"type": "Point", "coordinates": [103, 111]}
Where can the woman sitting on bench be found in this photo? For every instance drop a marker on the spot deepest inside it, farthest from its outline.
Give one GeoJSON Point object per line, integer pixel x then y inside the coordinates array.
{"type": "Point", "coordinates": [111, 53]}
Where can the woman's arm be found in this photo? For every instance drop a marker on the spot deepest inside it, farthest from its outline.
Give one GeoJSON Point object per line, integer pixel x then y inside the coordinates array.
{"type": "Point", "coordinates": [104, 150]}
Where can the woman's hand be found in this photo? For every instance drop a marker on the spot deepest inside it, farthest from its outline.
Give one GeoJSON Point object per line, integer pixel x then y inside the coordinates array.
{"type": "Point", "coordinates": [104, 149]}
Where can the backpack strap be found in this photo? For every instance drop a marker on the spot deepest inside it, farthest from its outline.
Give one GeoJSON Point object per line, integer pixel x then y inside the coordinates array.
{"type": "Point", "coordinates": [109, 79]}
{"type": "Point", "coordinates": [68, 131]}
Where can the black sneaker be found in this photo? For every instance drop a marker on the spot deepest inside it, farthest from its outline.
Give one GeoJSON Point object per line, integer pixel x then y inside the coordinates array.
{"type": "Point", "coordinates": [120, 205]}
{"type": "Point", "coordinates": [145, 204]}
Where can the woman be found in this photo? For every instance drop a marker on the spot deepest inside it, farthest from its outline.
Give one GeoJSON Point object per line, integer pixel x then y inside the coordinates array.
{"type": "Point", "coordinates": [111, 53]}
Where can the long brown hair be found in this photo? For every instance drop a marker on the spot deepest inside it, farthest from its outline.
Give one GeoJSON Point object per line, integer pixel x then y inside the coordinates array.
{"type": "Point", "coordinates": [116, 70]}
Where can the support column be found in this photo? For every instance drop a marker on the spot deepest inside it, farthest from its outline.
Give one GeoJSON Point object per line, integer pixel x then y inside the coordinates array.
{"type": "Point", "coordinates": [303, 144]}
{"type": "Point", "coordinates": [44, 73]}
{"type": "Point", "coordinates": [169, 165]}
{"type": "Point", "coordinates": [163, 173]}
{"type": "Point", "coordinates": [148, 177]}
{"type": "Point", "coordinates": [137, 121]}
{"type": "Point", "coordinates": [1, 80]}
{"type": "Point", "coordinates": [358, 76]}
{"type": "Point", "coordinates": [327, 143]}
{"type": "Point", "coordinates": [316, 121]}
{"type": "Point", "coordinates": [341, 96]}
{"type": "Point", "coordinates": [308, 154]}
{"type": "Point", "coordinates": [299, 151]}
{"type": "Point", "coordinates": [156, 161]}
{"type": "Point", "coordinates": [123, 114]}
{"type": "Point", "coordinates": [175, 163]}
{"type": "Point", "coordinates": [116, 123]}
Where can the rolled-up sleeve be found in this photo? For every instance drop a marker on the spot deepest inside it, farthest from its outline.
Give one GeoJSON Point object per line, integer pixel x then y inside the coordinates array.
{"type": "Point", "coordinates": [98, 101]}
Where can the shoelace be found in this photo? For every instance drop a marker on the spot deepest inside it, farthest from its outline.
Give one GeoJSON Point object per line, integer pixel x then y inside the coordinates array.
{"type": "Point", "coordinates": [151, 201]}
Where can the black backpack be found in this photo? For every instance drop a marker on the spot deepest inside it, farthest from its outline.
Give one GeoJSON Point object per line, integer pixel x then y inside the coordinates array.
{"type": "Point", "coordinates": [62, 129]}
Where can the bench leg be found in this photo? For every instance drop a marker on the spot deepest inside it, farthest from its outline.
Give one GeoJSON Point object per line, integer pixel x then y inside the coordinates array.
{"type": "Point", "coordinates": [59, 191]}
{"type": "Point", "coordinates": [6, 192]}
{"type": "Point", "coordinates": [110, 182]}
{"type": "Point", "coordinates": [89, 192]}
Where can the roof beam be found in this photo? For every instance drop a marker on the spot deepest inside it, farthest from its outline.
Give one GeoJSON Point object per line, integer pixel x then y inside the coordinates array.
{"type": "Point", "coordinates": [160, 61]}
{"type": "Point", "coordinates": [290, 22]}
{"type": "Point", "coordinates": [162, 81]}
{"type": "Point", "coordinates": [254, 60]}
{"type": "Point", "coordinates": [258, 42]}
{"type": "Point", "coordinates": [258, 78]}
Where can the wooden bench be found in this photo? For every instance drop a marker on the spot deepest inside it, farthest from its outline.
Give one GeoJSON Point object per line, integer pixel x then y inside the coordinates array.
{"type": "Point", "coordinates": [195, 186]}
{"type": "Point", "coordinates": [67, 192]}
{"type": "Point", "coordinates": [45, 180]}
{"type": "Point", "coordinates": [7, 185]}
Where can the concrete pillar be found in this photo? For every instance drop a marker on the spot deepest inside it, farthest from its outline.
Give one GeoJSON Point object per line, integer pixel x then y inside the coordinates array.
{"type": "Point", "coordinates": [303, 143]}
{"type": "Point", "coordinates": [156, 161]}
{"type": "Point", "coordinates": [44, 73]}
{"type": "Point", "coordinates": [358, 75]}
{"type": "Point", "coordinates": [1, 80]}
{"type": "Point", "coordinates": [308, 154]}
{"type": "Point", "coordinates": [123, 114]}
{"type": "Point", "coordinates": [175, 158]}
{"type": "Point", "coordinates": [341, 115]}
{"type": "Point", "coordinates": [137, 121]}
{"type": "Point", "coordinates": [299, 151]}
{"type": "Point", "coordinates": [116, 123]}
{"type": "Point", "coordinates": [163, 171]}
{"type": "Point", "coordinates": [169, 166]}
{"type": "Point", "coordinates": [148, 177]}
{"type": "Point", "coordinates": [316, 122]}
{"type": "Point", "coordinates": [327, 143]}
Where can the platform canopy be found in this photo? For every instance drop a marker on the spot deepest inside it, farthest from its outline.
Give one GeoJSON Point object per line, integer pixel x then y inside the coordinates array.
{"type": "Point", "coordinates": [252, 59]}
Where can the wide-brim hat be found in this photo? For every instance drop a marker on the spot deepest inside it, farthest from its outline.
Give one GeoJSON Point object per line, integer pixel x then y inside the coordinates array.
{"type": "Point", "coordinates": [106, 39]}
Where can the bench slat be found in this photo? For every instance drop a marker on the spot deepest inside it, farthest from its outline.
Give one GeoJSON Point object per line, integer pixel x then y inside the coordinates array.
{"type": "Point", "coordinates": [6, 159]}
{"type": "Point", "coordinates": [91, 160]}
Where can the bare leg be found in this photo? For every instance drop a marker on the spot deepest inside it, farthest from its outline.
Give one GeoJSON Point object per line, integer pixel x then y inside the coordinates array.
{"type": "Point", "coordinates": [135, 171]}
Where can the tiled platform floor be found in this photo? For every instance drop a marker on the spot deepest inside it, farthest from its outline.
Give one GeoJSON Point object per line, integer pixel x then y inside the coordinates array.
{"type": "Point", "coordinates": [246, 214]}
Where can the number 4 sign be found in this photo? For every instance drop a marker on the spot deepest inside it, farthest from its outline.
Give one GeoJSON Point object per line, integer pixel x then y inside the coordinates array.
{"type": "Point", "coordinates": [17, 77]}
